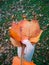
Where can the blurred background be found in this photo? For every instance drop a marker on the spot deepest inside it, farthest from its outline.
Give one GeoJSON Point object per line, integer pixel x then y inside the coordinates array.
{"type": "Point", "coordinates": [12, 10]}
